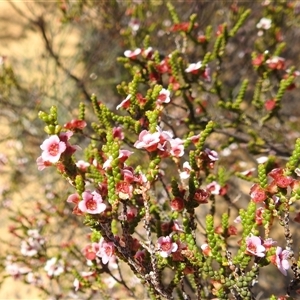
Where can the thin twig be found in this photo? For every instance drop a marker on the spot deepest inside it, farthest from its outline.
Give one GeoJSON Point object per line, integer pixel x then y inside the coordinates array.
{"type": "Point", "coordinates": [40, 23]}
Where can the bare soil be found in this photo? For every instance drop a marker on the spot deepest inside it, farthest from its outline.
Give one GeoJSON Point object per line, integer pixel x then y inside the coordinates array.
{"type": "Point", "coordinates": [17, 44]}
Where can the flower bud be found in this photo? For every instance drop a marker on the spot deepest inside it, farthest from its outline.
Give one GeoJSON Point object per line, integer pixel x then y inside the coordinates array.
{"type": "Point", "coordinates": [43, 116]}
{"type": "Point", "coordinates": [57, 129]}
{"type": "Point", "coordinates": [49, 129]}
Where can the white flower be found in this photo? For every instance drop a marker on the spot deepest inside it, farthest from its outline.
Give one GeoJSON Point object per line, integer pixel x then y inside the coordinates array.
{"type": "Point", "coordinates": [262, 159]}
{"type": "Point", "coordinates": [185, 174]}
{"type": "Point", "coordinates": [264, 23]}
{"type": "Point", "coordinates": [194, 67]}
{"type": "Point", "coordinates": [54, 267]}
{"type": "Point", "coordinates": [107, 163]}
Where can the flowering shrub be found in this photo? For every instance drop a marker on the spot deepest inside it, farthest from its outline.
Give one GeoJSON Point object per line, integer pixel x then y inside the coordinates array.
{"type": "Point", "coordinates": [160, 185]}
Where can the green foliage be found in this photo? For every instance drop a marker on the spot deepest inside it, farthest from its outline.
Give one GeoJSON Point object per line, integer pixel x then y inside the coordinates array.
{"type": "Point", "coordinates": [158, 166]}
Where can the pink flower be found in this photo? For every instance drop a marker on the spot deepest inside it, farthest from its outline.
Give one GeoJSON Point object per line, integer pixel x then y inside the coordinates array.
{"type": "Point", "coordinates": [276, 63]}
{"type": "Point", "coordinates": [194, 68]}
{"type": "Point", "coordinates": [258, 60]}
{"type": "Point", "coordinates": [280, 259]}
{"type": "Point", "coordinates": [259, 216]}
{"type": "Point", "coordinates": [185, 174]}
{"type": "Point", "coordinates": [90, 251]}
{"type": "Point", "coordinates": [214, 188]}
{"type": "Point", "coordinates": [254, 246]}
{"type": "Point", "coordinates": [257, 193]}
{"type": "Point", "coordinates": [194, 138]}
{"type": "Point", "coordinates": [75, 125]}
{"type": "Point", "coordinates": [92, 203]}
{"type": "Point", "coordinates": [248, 172]}
{"type": "Point", "coordinates": [270, 104]}
{"type": "Point", "coordinates": [132, 54]}
{"type": "Point", "coordinates": [107, 163]}
{"type": "Point", "coordinates": [118, 133]}
{"type": "Point", "coordinates": [140, 99]}
{"type": "Point", "coordinates": [175, 84]}
{"type": "Point", "coordinates": [211, 154]}
{"type": "Point", "coordinates": [54, 267]}
{"type": "Point", "coordinates": [34, 279]}
{"type": "Point", "coordinates": [201, 39]}
{"type": "Point", "coordinates": [166, 246]}
{"type": "Point", "coordinates": [42, 164]}
{"type": "Point", "coordinates": [64, 137]}
{"type": "Point", "coordinates": [140, 255]}
{"type": "Point", "coordinates": [82, 165]}
{"type": "Point", "coordinates": [159, 141]}
{"type": "Point", "coordinates": [177, 204]}
{"type": "Point", "coordinates": [237, 220]}
{"type": "Point", "coordinates": [280, 178]}
{"type": "Point", "coordinates": [164, 66]}
{"type": "Point", "coordinates": [164, 96]}
{"type": "Point", "coordinates": [30, 247]}
{"type": "Point", "coordinates": [268, 243]}
{"type": "Point", "coordinates": [206, 249]}
{"type": "Point", "coordinates": [52, 148]}
{"type": "Point", "coordinates": [124, 154]}
{"type": "Point", "coordinates": [33, 244]}
{"type": "Point", "coordinates": [140, 178]}
{"type": "Point", "coordinates": [176, 226]}
{"type": "Point", "coordinates": [15, 270]}
{"type": "Point", "coordinates": [148, 140]}
{"type": "Point", "coordinates": [106, 250]}
{"type": "Point", "coordinates": [131, 213]}
{"type": "Point", "coordinates": [201, 196]}
{"type": "Point", "coordinates": [177, 148]}
{"type": "Point", "coordinates": [184, 26]}
{"type": "Point", "coordinates": [164, 135]}
{"type": "Point", "coordinates": [148, 53]}
{"type": "Point", "coordinates": [124, 190]}
{"type": "Point", "coordinates": [164, 142]}
{"type": "Point", "coordinates": [125, 103]}
{"type": "Point", "coordinates": [128, 175]}
{"type": "Point", "coordinates": [74, 198]}
{"type": "Point", "coordinates": [232, 230]}
{"type": "Point", "coordinates": [206, 74]}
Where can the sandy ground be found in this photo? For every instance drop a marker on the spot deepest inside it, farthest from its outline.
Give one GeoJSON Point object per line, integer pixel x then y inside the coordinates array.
{"type": "Point", "coordinates": [16, 43]}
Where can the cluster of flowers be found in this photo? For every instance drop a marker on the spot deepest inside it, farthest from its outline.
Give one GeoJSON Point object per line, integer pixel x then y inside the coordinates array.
{"type": "Point", "coordinates": [163, 143]}
{"type": "Point", "coordinates": [258, 247]}
{"type": "Point", "coordinates": [164, 67]}
{"type": "Point", "coordinates": [277, 65]}
{"type": "Point", "coordinates": [53, 148]}
{"type": "Point", "coordinates": [123, 195]}
{"type": "Point", "coordinates": [270, 194]}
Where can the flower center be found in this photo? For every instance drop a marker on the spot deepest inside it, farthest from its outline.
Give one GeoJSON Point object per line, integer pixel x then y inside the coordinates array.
{"type": "Point", "coordinates": [251, 247]}
{"type": "Point", "coordinates": [165, 246]}
{"type": "Point", "coordinates": [162, 97]}
{"type": "Point", "coordinates": [53, 149]}
{"type": "Point", "coordinates": [91, 204]}
{"type": "Point", "coordinates": [108, 251]}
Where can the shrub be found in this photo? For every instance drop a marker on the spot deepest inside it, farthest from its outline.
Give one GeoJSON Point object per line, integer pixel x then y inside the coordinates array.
{"type": "Point", "coordinates": [186, 182]}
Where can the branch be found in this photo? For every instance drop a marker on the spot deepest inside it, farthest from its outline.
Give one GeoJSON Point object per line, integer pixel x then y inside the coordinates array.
{"type": "Point", "coordinates": [40, 23]}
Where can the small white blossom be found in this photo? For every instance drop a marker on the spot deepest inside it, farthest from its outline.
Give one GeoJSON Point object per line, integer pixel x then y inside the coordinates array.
{"type": "Point", "coordinates": [264, 23]}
